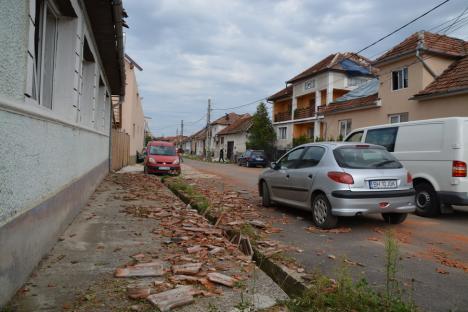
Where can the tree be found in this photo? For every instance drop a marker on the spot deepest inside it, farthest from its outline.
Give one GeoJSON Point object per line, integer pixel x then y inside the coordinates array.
{"type": "Point", "coordinates": [262, 135]}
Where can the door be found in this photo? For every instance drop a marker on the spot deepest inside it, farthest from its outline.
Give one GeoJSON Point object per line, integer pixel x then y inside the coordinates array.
{"type": "Point", "coordinates": [281, 188]}
{"type": "Point", "coordinates": [230, 149]}
{"type": "Point", "coordinates": [301, 178]}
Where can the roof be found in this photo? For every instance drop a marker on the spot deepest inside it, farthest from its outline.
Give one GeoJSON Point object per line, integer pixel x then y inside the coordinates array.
{"type": "Point", "coordinates": [282, 94]}
{"type": "Point", "coordinates": [452, 80]}
{"type": "Point", "coordinates": [242, 124]}
{"type": "Point", "coordinates": [427, 42]}
{"type": "Point", "coordinates": [347, 62]}
{"type": "Point", "coordinates": [106, 18]}
{"type": "Point", "coordinates": [200, 135]}
{"type": "Point", "coordinates": [227, 119]}
{"type": "Point", "coordinates": [358, 103]}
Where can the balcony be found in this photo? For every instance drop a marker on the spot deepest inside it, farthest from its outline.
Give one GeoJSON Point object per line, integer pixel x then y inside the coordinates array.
{"type": "Point", "coordinates": [283, 116]}
{"type": "Point", "coordinates": [300, 113]}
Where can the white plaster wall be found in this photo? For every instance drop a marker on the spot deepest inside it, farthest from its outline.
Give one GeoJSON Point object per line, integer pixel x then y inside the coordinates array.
{"type": "Point", "coordinates": [13, 45]}
{"type": "Point", "coordinates": [39, 158]}
{"type": "Point", "coordinates": [42, 150]}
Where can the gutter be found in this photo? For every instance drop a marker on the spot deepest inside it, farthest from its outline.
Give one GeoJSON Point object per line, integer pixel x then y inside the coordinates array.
{"type": "Point", "coordinates": [449, 92]}
{"type": "Point", "coordinates": [419, 48]}
{"type": "Point", "coordinates": [118, 21]}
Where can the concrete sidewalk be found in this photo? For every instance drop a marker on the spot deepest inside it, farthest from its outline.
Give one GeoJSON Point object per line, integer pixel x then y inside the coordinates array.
{"type": "Point", "coordinates": [131, 214]}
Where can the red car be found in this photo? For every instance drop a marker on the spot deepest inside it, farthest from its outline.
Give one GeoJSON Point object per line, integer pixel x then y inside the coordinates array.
{"type": "Point", "coordinates": [161, 157]}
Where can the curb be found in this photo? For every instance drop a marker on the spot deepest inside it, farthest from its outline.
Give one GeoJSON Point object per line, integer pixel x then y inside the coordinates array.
{"type": "Point", "coordinates": [292, 286]}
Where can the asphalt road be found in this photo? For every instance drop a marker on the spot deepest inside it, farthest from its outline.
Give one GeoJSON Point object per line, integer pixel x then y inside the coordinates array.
{"type": "Point", "coordinates": [433, 266]}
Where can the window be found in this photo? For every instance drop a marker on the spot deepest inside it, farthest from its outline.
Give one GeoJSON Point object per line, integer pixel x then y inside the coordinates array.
{"type": "Point", "coordinates": [88, 84]}
{"type": "Point", "coordinates": [282, 133]}
{"type": "Point", "coordinates": [222, 140]}
{"type": "Point", "coordinates": [344, 127]}
{"type": "Point", "coordinates": [162, 150]}
{"type": "Point", "coordinates": [385, 137]}
{"type": "Point", "coordinates": [310, 84]}
{"type": "Point", "coordinates": [355, 137]}
{"type": "Point", "coordinates": [356, 81]}
{"type": "Point", "coordinates": [395, 118]}
{"type": "Point", "coordinates": [400, 79]}
{"type": "Point", "coordinates": [45, 49]}
{"type": "Point", "coordinates": [311, 157]}
{"type": "Point", "coordinates": [365, 158]}
{"type": "Point", "coordinates": [289, 160]}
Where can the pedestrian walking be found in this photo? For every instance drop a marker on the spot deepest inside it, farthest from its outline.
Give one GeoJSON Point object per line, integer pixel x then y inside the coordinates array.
{"type": "Point", "coordinates": [221, 154]}
{"type": "Point", "coordinates": [180, 152]}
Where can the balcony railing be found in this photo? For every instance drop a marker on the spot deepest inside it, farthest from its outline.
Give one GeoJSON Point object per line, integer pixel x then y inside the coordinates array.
{"type": "Point", "coordinates": [283, 116]}
{"type": "Point", "coordinates": [300, 113]}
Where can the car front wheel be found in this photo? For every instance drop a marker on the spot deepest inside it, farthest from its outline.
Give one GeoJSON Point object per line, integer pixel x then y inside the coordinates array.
{"type": "Point", "coordinates": [266, 201]}
{"type": "Point", "coordinates": [394, 218]}
{"type": "Point", "coordinates": [322, 215]}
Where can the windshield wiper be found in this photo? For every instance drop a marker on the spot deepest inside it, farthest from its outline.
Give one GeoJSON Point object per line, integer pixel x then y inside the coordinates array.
{"type": "Point", "coordinates": [385, 162]}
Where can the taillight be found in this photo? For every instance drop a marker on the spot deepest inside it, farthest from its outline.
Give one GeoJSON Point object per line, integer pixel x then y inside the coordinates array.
{"type": "Point", "coordinates": [341, 177]}
{"type": "Point", "coordinates": [458, 168]}
{"type": "Point", "coordinates": [409, 178]}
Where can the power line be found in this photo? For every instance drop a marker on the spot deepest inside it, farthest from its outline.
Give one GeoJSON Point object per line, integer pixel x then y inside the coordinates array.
{"type": "Point", "coordinates": [401, 27]}
{"type": "Point", "coordinates": [239, 106]}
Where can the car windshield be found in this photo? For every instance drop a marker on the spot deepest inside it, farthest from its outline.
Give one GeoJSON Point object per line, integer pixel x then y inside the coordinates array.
{"type": "Point", "coordinates": [257, 153]}
{"type": "Point", "coordinates": [162, 150]}
{"type": "Point", "coordinates": [365, 157]}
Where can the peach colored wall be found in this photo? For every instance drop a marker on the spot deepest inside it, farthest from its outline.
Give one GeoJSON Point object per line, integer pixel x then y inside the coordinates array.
{"type": "Point", "coordinates": [132, 112]}
{"type": "Point", "coordinates": [359, 119]}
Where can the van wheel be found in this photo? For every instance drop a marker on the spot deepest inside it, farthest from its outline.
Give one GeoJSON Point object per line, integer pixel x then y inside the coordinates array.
{"type": "Point", "coordinates": [266, 201]}
{"type": "Point", "coordinates": [394, 218]}
{"type": "Point", "coordinates": [321, 212]}
{"type": "Point", "coordinates": [427, 203]}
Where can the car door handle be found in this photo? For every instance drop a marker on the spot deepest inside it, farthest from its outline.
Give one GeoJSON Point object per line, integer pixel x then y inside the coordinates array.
{"type": "Point", "coordinates": [310, 176]}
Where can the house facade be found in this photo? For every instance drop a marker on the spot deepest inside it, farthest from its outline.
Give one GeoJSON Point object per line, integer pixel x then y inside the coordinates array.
{"type": "Point", "coordinates": [423, 77]}
{"type": "Point", "coordinates": [133, 119]}
{"type": "Point", "coordinates": [60, 66]}
{"type": "Point", "coordinates": [295, 108]}
{"type": "Point", "coordinates": [233, 139]}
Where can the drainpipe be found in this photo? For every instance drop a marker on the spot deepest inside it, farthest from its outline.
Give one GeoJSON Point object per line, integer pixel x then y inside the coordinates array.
{"type": "Point", "coordinates": [418, 56]}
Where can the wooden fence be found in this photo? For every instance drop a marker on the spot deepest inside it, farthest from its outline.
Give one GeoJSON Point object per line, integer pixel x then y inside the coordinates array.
{"type": "Point", "coordinates": [120, 149]}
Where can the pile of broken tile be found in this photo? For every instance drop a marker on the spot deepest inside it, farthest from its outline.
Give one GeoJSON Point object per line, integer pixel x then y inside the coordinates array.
{"type": "Point", "coordinates": [198, 260]}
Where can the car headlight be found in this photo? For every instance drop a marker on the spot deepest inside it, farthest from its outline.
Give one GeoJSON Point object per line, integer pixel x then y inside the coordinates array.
{"type": "Point", "coordinates": [151, 160]}
{"type": "Point", "coordinates": [176, 161]}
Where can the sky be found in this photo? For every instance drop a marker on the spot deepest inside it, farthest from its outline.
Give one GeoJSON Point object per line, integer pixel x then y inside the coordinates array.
{"type": "Point", "coordinates": [241, 51]}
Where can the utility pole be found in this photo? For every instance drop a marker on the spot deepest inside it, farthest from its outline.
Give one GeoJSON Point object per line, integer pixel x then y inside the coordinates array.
{"type": "Point", "coordinates": [181, 133]}
{"type": "Point", "coordinates": [208, 131]}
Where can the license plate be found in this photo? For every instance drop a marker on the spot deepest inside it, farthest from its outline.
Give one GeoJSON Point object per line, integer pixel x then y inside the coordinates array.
{"type": "Point", "coordinates": [259, 158]}
{"type": "Point", "coordinates": [164, 168]}
{"type": "Point", "coordinates": [383, 184]}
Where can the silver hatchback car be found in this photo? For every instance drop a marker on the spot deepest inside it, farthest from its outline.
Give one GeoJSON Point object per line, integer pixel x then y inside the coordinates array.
{"type": "Point", "coordinates": [336, 179]}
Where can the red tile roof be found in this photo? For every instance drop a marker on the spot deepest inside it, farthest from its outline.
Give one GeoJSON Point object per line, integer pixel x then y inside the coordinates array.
{"type": "Point", "coordinates": [453, 79]}
{"type": "Point", "coordinates": [284, 93]}
{"type": "Point", "coordinates": [331, 62]}
{"type": "Point", "coordinates": [428, 42]}
{"type": "Point", "coordinates": [226, 119]}
{"type": "Point", "coordinates": [240, 125]}
{"type": "Point", "coordinates": [363, 102]}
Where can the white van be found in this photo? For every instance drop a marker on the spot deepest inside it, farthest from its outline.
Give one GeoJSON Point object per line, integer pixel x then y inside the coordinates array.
{"type": "Point", "coordinates": [435, 151]}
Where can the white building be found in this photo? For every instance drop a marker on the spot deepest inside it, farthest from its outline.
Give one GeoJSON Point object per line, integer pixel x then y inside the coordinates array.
{"type": "Point", "coordinates": [295, 108]}
{"type": "Point", "coordinates": [233, 139]}
{"type": "Point", "coordinates": [61, 63]}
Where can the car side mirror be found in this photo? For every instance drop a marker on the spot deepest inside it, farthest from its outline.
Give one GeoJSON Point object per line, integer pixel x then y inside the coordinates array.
{"type": "Point", "coordinates": [274, 166]}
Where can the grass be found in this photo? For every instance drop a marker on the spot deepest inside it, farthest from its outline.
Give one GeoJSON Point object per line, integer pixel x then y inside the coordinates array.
{"type": "Point", "coordinates": [344, 294]}
{"type": "Point", "coordinates": [197, 200]}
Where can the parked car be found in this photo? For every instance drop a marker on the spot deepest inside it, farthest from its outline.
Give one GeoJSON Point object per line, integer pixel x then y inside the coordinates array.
{"type": "Point", "coordinates": [435, 151]}
{"type": "Point", "coordinates": [252, 158]}
{"type": "Point", "coordinates": [161, 158]}
{"type": "Point", "coordinates": [335, 179]}
{"type": "Point", "coordinates": [141, 155]}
